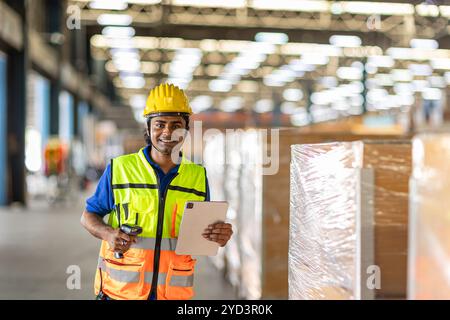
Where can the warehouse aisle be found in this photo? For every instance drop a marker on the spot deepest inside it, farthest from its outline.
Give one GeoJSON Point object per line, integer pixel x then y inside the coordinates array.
{"type": "Point", "coordinates": [42, 247]}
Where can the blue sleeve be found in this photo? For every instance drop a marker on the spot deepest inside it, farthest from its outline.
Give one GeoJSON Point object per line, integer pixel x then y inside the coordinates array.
{"type": "Point", "coordinates": [102, 202]}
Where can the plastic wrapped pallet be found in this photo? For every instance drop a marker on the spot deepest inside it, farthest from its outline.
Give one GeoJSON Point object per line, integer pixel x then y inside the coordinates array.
{"type": "Point", "coordinates": [349, 209]}
{"type": "Point", "coordinates": [429, 242]}
{"type": "Point", "coordinates": [259, 205]}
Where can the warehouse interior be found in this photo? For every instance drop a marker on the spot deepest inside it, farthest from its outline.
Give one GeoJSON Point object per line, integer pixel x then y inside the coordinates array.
{"type": "Point", "coordinates": [325, 125]}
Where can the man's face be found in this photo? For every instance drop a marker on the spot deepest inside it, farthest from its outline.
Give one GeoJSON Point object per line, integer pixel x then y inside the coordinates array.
{"type": "Point", "coordinates": [161, 131]}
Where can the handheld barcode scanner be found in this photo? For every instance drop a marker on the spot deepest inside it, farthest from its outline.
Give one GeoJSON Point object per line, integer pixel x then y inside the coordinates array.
{"type": "Point", "coordinates": [131, 230]}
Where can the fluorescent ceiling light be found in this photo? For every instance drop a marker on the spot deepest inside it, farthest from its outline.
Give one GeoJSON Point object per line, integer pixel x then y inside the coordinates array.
{"type": "Point", "coordinates": [299, 65]}
{"type": "Point", "coordinates": [371, 68]}
{"type": "Point", "coordinates": [118, 32]}
{"type": "Point", "coordinates": [284, 74]}
{"type": "Point", "coordinates": [432, 94]}
{"type": "Point", "coordinates": [440, 64]}
{"type": "Point", "coordinates": [424, 43]}
{"type": "Point", "coordinates": [179, 82]}
{"type": "Point", "coordinates": [328, 82]}
{"type": "Point", "coordinates": [314, 59]}
{"type": "Point", "coordinates": [125, 54]}
{"type": "Point", "coordinates": [289, 5]}
{"type": "Point", "coordinates": [201, 103]}
{"type": "Point", "coordinates": [381, 61]}
{"type": "Point", "coordinates": [358, 65]}
{"type": "Point", "coordinates": [272, 81]}
{"type": "Point", "coordinates": [114, 19]}
{"type": "Point", "coordinates": [355, 87]}
{"type": "Point", "coordinates": [402, 89]}
{"type": "Point", "coordinates": [263, 105]}
{"type": "Point", "coordinates": [437, 82]}
{"type": "Point", "coordinates": [349, 73]}
{"type": "Point", "coordinates": [133, 82]}
{"type": "Point", "coordinates": [384, 79]}
{"type": "Point", "coordinates": [108, 5]}
{"type": "Point", "coordinates": [293, 94]}
{"type": "Point", "coordinates": [445, 11]}
{"type": "Point", "coordinates": [138, 101]}
{"type": "Point", "coordinates": [377, 95]}
{"type": "Point", "coordinates": [300, 119]}
{"type": "Point", "coordinates": [289, 108]}
{"type": "Point", "coordinates": [420, 69]}
{"type": "Point", "coordinates": [272, 37]}
{"type": "Point", "coordinates": [402, 75]}
{"type": "Point", "coordinates": [219, 85]}
{"type": "Point", "coordinates": [138, 116]}
{"type": "Point", "coordinates": [356, 100]}
{"type": "Point", "coordinates": [231, 104]}
{"type": "Point", "coordinates": [323, 97]}
{"type": "Point", "coordinates": [144, 2]}
{"type": "Point", "coordinates": [427, 10]}
{"type": "Point", "coordinates": [127, 64]}
{"type": "Point", "coordinates": [381, 8]}
{"type": "Point", "coordinates": [410, 53]}
{"type": "Point", "coordinates": [345, 41]}
{"type": "Point", "coordinates": [231, 4]}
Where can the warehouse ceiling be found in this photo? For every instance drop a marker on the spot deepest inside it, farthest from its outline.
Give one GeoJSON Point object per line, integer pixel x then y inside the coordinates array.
{"type": "Point", "coordinates": [321, 58]}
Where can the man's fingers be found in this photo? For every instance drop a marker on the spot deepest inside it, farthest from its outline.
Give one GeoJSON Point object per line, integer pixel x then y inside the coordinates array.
{"type": "Point", "coordinates": [216, 237]}
{"type": "Point", "coordinates": [124, 236]}
{"type": "Point", "coordinates": [220, 225]}
{"type": "Point", "coordinates": [222, 231]}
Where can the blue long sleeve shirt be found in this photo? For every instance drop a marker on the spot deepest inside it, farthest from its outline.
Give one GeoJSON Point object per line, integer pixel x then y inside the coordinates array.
{"type": "Point", "coordinates": [102, 201]}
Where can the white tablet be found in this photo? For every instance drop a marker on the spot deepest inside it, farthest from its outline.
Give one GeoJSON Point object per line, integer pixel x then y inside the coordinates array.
{"type": "Point", "coordinates": [196, 218]}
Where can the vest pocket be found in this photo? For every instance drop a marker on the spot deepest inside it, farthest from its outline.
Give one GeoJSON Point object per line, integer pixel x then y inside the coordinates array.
{"type": "Point", "coordinates": [180, 279]}
{"type": "Point", "coordinates": [124, 278]}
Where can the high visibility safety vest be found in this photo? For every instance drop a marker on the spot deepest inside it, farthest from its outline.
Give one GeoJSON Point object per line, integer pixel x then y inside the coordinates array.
{"type": "Point", "coordinates": [150, 266]}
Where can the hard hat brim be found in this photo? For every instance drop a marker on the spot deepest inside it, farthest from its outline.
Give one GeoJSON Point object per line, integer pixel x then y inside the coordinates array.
{"type": "Point", "coordinates": [166, 113]}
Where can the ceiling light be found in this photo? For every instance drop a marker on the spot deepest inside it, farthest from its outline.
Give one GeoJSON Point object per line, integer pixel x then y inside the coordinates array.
{"type": "Point", "coordinates": [114, 19]}
{"type": "Point", "coordinates": [263, 105]}
{"type": "Point", "coordinates": [108, 5]}
{"type": "Point", "coordinates": [403, 75]}
{"type": "Point", "coordinates": [289, 5]}
{"type": "Point", "coordinates": [231, 4]}
{"type": "Point", "coordinates": [219, 85]}
{"type": "Point", "coordinates": [231, 104]}
{"type": "Point", "coordinates": [272, 37]}
{"type": "Point", "coordinates": [118, 32]}
{"type": "Point", "coordinates": [345, 41]}
{"type": "Point", "coordinates": [349, 73]}
{"type": "Point", "coordinates": [138, 101]}
{"type": "Point", "coordinates": [424, 44]}
{"type": "Point", "coordinates": [432, 94]}
{"type": "Point", "coordinates": [201, 103]}
{"type": "Point", "coordinates": [300, 118]}
{"type": "Point", "coordinates": [293, 94]}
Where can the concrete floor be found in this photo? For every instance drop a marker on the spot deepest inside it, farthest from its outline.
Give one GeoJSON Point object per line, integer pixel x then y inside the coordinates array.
{"type": "Point", "coordinates": [38, 246]}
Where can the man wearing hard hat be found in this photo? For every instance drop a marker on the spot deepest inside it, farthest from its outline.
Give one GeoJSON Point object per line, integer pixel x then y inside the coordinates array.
{"type": "Point", "coordinates": [149, 189]}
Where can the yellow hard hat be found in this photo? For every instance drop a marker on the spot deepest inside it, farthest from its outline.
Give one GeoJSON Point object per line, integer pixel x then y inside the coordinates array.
{"type": "Point", "coordinates": [167, 98]}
